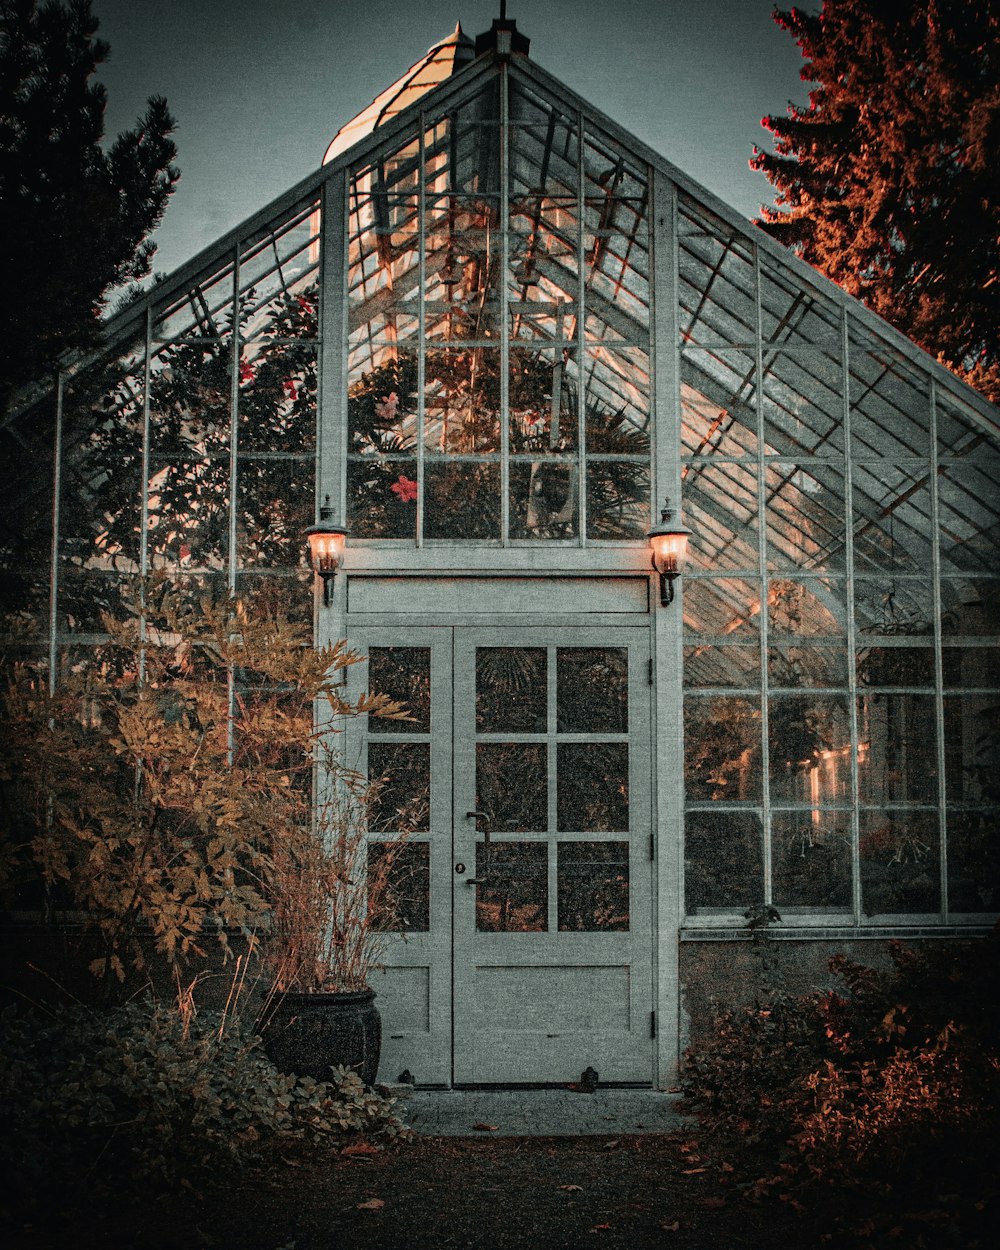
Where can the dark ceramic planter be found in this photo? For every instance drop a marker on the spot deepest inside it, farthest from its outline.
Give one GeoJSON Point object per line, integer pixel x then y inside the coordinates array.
{"type": "Point", "coordinates": [308, 1034]}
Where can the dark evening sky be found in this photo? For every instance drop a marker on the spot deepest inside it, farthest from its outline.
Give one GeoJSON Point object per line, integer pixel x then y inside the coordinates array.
{"type": "Point", "coordinates": [259, 87]}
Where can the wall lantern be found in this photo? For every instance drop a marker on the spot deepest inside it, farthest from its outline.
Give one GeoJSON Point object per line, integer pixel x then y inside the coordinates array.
{"type": "Point", "coordinates": [326, 549]}
{"type": "Point", "coordinates": [668, 542]}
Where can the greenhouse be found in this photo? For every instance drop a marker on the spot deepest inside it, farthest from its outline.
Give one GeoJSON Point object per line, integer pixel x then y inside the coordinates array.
{"type": "Point", "coordinates": [494, 337]}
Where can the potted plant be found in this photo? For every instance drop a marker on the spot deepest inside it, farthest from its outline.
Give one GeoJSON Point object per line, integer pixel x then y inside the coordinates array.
{"type": "Point", "coordinates": [331, 902]}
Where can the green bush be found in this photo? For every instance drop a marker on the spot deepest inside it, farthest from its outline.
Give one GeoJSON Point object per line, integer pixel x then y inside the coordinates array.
{"type": "Point", "coordinates": [894, 1078]}
{"type": "Point", "coordinates": [120, 1099]}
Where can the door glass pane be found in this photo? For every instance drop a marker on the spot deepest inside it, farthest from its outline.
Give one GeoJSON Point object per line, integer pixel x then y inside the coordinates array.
{"type": "Point", "coordinates": [511, 689]}
{"type": "Point", "coordinates": [512, 894]}
{"type": "Point", "coordinates": [404, 674]}
{"type": "Point", "coordinates": [592, 789]}
{"type": "Point", "coordinates": [401, 772]}
{"type": "Point", "coordinates": [512, 786]}
{"type": "Point", "coordinates": [399, 882]}
{"type": "Point", "coordinates": [592, 886]}
{"type": "Point", "coordinates": [592, 689]}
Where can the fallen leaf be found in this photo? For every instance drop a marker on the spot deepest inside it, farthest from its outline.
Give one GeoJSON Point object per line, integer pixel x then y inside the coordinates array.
{"type": "Point", "coordinates": [671, 1228]}
{"type": "Point", "coordinates": [597, 1227]}
{"type": "Point", "coordinates": [693, 1171]}
{"type": "Point", "coordinates": [486, 1128]}
{"type": "Point", "coordinates": [360, 1148]}
{"type": "Point", "coordinates": [576, 1189]}
{"type": "Point", "coordinates": [727, 1167]}
{"type": "Point", "coordinates": [373, 1204]}
{"type": "Point", "coordinates": [610, 1145]}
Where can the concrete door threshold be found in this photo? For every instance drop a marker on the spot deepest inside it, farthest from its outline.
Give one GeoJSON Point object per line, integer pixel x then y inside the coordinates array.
{"type": "Point", "coordinates": [551, 1112]}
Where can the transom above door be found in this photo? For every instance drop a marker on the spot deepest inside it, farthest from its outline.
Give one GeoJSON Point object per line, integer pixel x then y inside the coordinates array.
{"type": "Point", "coordinates": [518, 944]}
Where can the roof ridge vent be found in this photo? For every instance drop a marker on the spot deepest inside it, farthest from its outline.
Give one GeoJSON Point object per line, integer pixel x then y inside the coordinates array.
{"type": "Point", "coordinates": [503, 37]}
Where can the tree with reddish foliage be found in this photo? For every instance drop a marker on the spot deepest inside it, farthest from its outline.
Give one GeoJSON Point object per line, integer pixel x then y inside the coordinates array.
{"type": "Point", "coordinates": [888, 181]}
{"type": "Point", "coordinates": [74, 215]}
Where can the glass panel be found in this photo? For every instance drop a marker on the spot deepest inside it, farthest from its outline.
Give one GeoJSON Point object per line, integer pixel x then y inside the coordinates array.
{"type": "Point", "coordinates": [592, 789]}
{"type": "Point", "coordinates": [462, 399]}
{"type": "Point", "coordinates": [592, 886]}
{"type": "Point", "coordinates": [512, 891]}
{"type": "Point", "coordinates": [284, 594]}
{"type": "Point", "coordinates": [791, 314]}
{"type": "Point", "coordinates": [85, 595]}
{"type": "Point", "coordinates": [809, 749]}
{"type": "Point", "coordinates": [399, 878]}
{"type": "Point", "coordinates": [189, 514]}
{"type": "Point", "coordinates": [617, 498]}
{"type": "Point", "coordinates": [101, 495]}
{"type": "Point", "coordinates": [275, 504]}
{"type": "Point", "coordinates": [382, 405]}
{"type": "Point", "coordinates": [543, 387]}
{"type": "Point", "coordinates": [718, 403]}
{"type": "Point", "coordinates": [813, 608]}
{"type": "Point", "coordinates": [544, 500]}
{"type": "Point", "coordinates": [890, 405]}
{"type": "Point", "coordinates": [383, 260]}
{"type": "Point", "coordinates": [715, 280]}
{"type": "Point", "coordinates": [811, 861]}
{"type": "Point", "coordinates": [205, 310]}
{"type": "Point", "coordinates": [722, 666]}
{"type": "Point", "coordinates": [190, 389]}
{"type": "Point", "coordinates": [402, 771]}
{"type": "Point", "coordinates": [970, 667]}
{"type": "Point", "coordinates": [404, 674]}
{"type": "Point", "coordinates": [511, 690]}
{"type": "Point", "coordinates": [463, 276]}
{"type": "Point", "coordinates": [893, 607]}
{"type": "Point", "coordinates": [278, 291]}
{"type": "Point", "coordinates": [974, 860]}
{"type": "Point", "coordinates": [617, 400]}
{"type": "Point", "coordinates": [969, 517]}
{"type": "Point", "coordinates": [895, 666]}
{"type": "Point", "coordinates": [970, 605]}
{"type": "Point", "coordinates": [892, 517]}
{"type": "Point", "coordinates": [382, 498]}
{"type": "Point", "coordinates": [512, 786]}
{"type": "Point", "coordinates": [897, 748]}
{"type": "Point", "coordinates": [722, 748]}
{"type": "Point", "coordinates": [723, 861]}
{"type": "Point", "coordinates": [720, 507]}
{"type": "Point", "coordinates": [277, 398]}
{"type": "Point", "coordinates": [463, 501]}
{"type": "Point", "coordinates": [803, 405]}
{"type": "Point", "coordinates": [805, 513]}
{"type": "Point", "coordinates": [972, 748]}
{"type": "Point", "coordinates": [962, 429]}
{"type": "Point", "coordinates": [899, 862]}
{"type": "Point", "coordinates": [807, 666]}
{"type": "Point", "coordinates": [721, 606]}
{"type": "Point", "coordinates": [592, 689]}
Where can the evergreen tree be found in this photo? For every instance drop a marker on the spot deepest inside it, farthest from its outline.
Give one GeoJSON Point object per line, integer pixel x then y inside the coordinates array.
{"type": "Point", "coordinates": [74, 217]}
{"type": "Point", "coordinates": [889, 180]}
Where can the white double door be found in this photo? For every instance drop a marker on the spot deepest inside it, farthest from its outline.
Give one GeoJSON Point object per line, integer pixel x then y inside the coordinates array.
{"type": "Point", "coordinates": [517, 921]}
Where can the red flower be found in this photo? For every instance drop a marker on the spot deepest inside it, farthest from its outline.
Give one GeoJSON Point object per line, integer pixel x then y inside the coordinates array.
{"type": "Point", "coordinates": [247, 371]}
{"type": "Point", "coordinates": [291, 390]}
{"type": "Point", "coordinates": [404, 488]}
{"type": "Point", "coordinates": [303, 303]}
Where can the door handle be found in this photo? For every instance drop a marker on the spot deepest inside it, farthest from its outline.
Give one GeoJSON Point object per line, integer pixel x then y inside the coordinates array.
{"type": "Point", "coordinates": [485, 828]}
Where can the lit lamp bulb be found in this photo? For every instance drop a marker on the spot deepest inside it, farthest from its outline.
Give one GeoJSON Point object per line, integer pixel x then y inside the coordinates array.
{"type": "Point", "coordinates": [668, 544]}
{"type": "Point", "coordinates": [326, 548]}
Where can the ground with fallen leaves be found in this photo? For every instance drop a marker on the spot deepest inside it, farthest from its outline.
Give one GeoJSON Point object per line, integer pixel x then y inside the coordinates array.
{"type": "Point", "coordinates": [636, 1192]}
